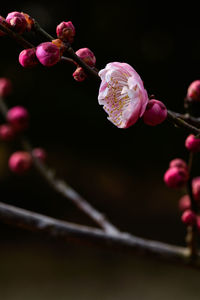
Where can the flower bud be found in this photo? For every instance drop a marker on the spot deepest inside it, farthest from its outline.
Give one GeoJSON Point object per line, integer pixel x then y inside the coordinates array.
{"type": "Point", "coordinates": [27, 58]}
{"type": "Point", "coordinates": [79, 74]}
{"type": "Point", "coordinates": [66, 31]}
{"type": "Point", "coordinates": [179, 163]}
{"type": "Point", "coordinates": [184, 203]}
{"type": "Point", "coordinates": [5, 87]}
{"type": "Point", "coordinates": [17, 21]}
{"type": "Point", "coordinates": [196, 188]}
{"type": "Point", "coordinates": [193, 92]}
{"type": "Point", "coordinates": [189, 217]}
{"type": "Point", "coordinates": [155, 113]}
{"type": "Point", "coordinates": [87, 56]}
{"type": "Point", "coordinates": [20, 162]}
{"type": "Point", "coordinates": [176, 177]}
{"type": "Point", "coordinates": [7, 132]}
{"type": "Point", "coordinates": [40, 154]}
{"type": "Point", "coordinates": [18, 117]}
{"type": "Point", "coordinates": [192, 144]}
{"type": "Point", "coordinates": [48, 54]}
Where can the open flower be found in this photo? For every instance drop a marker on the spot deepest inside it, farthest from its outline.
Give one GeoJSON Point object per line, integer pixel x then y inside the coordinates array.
{"type": "Point", "coordinates": [122, 94]}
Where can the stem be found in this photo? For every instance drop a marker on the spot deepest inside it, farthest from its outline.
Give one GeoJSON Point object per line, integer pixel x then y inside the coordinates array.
{"type": "Point", "coordinates": [17, 37]}
{"type": "Point", "coordinates": [63, 188]}
{"type": "Point", "coordinates": [67, 59]}
{"type": "Point", "coordinates": [71, 232]}
{"type": "Point", "coordinates": [181, 123]}
{"type": "Point", "coordinates": [186, 117]}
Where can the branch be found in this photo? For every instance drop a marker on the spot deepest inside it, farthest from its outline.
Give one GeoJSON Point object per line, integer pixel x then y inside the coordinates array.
{"type": "Point", "coordinates": [17, 37]}
{"type": "Point", "coordinates": [63, 188]}
{"type": "Point", "coordinates": [181, 123]}
{"type": "Point", "coordinates": [68, 231]}
{"type": "Point", "coordinates": [88, 70]}
{"type": "Point", "coordinates": [188, 118]}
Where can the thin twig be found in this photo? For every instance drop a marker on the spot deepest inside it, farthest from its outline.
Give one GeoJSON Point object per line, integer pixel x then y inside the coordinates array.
{"type": "Point", "coordinates": [68, 231]}
{"type": "Point", "coordinates": [62, 187]}
{"type": "Point", "coordinates": [181, 123]}
{"type": "Point", "coordinates": [67, 59]}
{"type": "Point", "coordinates": [17, 37]}
{"type": "Point", "coordinates": [188, 118]}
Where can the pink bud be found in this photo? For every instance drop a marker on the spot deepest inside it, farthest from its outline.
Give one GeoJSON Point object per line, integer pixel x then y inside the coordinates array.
{"type": "Point", "coordinates": [40, 154]}
{"type": "Point", "coordinates": [179, 163]}
{"type": "Point", "coordinates": [66, 31]}
{"type": "Point", "coordinates": [87, 56]}
{"type": "Point", "coordinates": [193, 92]}
{"type": "Point", "coordinates": [196, 188]}
{"type": "Point", "coordinates": [2, 20]}
{"type": "Point", "coordinates": [192, 144]}
{"type": "Point", "coordinates": [155, 113]}
{"type": "Point", "coordinates": [5, 87]}
{"type": "Point", "coordinates": [20, 162]}
{"type": "Point", "coordinates": [18, 117]}
{"type": "Point", "coordinates": [184, 203]}
{"type": "Point", "coordinates": [176, 177]}
{"type": "Point", "coordinates": [79, 74]}
{"type": "Point", "coordinates": [27, 58]}
{"type": "Point", "coordinates": [188, 217]}
{"type": "Point", "coordinates": [48, 54]}
{"type": "Point", "coordinates": [7, 132]}
{"type": "Point", "coordinates": [17, 21]}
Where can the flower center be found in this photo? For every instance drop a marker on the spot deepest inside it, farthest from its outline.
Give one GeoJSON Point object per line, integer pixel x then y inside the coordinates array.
{"type": "Point", "coordinates": [117, 99]}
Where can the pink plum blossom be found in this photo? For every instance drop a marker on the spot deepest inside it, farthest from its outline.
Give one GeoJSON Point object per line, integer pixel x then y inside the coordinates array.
{"type": "Point", "coordinates": [122, 94]}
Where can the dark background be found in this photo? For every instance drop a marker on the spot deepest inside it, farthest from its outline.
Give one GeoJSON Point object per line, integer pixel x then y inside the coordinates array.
{"type": "Point", "coordinates": [118, 171]}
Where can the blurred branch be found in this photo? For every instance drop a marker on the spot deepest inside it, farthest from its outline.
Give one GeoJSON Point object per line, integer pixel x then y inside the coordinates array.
{"type": "Point", "coordinates": [62, 187]}
{"type": "Point", "coordinates": [178, 121]}
{"type": "Point", "coordinates": [187, 117]}
{"type": "Point", "coordinates": [68, 231]}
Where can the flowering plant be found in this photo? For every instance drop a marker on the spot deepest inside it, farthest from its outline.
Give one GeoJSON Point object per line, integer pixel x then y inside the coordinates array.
{"type": "Point", "coordinates": [125, 100]}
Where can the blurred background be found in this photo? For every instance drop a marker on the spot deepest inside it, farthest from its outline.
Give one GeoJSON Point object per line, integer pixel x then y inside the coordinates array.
{"type": "Point", "coordinates": [119, 171]}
